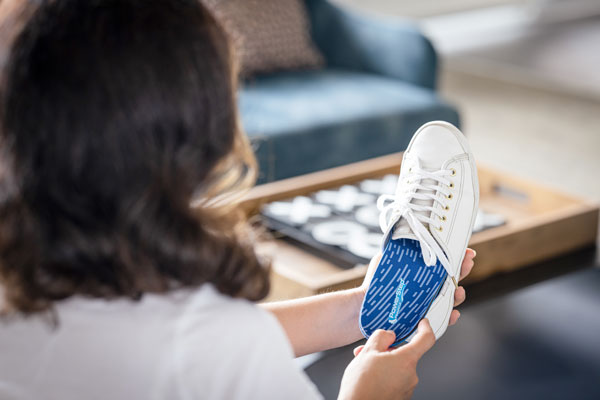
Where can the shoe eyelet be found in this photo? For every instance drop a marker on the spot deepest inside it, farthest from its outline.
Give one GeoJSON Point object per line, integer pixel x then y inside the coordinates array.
{"type": "Point", "coordinates": [442, 218]}
{"type": "Point", "coordinates": [451, 185]}
{"type": "Point", "coordinates": [449, 196]}
{"type": "Point", "coordinates": [453, 172]}
{"type": "Point", "coordinates": [447, 208]}
{"type": "Point", "coordinates": [441, 228]}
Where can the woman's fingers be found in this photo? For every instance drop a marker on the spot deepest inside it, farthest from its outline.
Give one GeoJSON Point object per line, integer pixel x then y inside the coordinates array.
{"type": "Point", "coordinates": [358, 349]}
{"type": "Point", "coordinates": [422, 341]}
{"type": "Point", "coordinates": [454, 317]}
{"type": "Point", "coordinates": [468, 263]}
{"type": "Point", "coordinates": [380, 341]}
{"type": "Point", "coordinates": [459, 296]}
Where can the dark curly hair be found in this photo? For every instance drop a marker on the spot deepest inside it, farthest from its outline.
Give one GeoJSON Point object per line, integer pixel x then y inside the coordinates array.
{"type": "Point", "coordinates": [116, 115]}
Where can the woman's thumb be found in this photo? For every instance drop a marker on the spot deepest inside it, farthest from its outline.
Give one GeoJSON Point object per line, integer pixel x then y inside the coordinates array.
{"type": "Point", "coordinates": [380, 340]}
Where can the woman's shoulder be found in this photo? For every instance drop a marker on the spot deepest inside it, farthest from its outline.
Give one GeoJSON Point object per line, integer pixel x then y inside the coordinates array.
{"type": "Point", "coordinates": [208, 307]}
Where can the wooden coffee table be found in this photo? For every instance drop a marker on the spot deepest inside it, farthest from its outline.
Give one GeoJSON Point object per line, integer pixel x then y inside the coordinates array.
{"type": "Point", "coordinates": [542, 223]}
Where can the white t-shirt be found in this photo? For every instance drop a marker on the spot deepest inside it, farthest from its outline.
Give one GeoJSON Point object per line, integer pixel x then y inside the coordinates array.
{"type": "Point", "coordinates": [187, 345]}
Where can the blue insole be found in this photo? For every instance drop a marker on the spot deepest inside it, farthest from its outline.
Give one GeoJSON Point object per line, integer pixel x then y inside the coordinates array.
{"type": "Point", "coordinates": [401, 291]}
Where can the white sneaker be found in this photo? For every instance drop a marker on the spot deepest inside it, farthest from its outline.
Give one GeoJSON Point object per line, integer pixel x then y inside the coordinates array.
{"type": "Point", "coordinates": [427, 226]}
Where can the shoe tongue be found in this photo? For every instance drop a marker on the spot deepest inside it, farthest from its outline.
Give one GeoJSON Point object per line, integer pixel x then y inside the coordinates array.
{"type": "Point", "coordinates": [428, 156]}
{"type": "Point", "coordinates": [403, 230]}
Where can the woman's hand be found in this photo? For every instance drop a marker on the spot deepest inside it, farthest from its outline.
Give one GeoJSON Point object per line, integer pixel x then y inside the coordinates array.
{"type": "Point", "coordinates": [378, 372]}
{"type": "Point", "coordinates": [459, 294]}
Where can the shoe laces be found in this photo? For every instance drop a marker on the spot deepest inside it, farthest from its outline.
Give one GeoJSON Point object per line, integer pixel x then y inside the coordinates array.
{"type": "Point", "coordinates": [414, 202]}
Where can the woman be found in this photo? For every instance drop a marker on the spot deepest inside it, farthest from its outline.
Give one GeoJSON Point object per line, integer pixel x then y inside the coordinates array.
{"type": "Point", "coordinates": [114, 116]}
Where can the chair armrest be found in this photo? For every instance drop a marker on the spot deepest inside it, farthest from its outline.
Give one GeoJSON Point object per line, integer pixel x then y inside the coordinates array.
{"type": "Point", "coordinates": [389, 47]}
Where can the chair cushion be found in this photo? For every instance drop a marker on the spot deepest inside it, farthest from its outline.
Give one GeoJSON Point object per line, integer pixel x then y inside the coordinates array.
{"type": "Point", "coordinates": [268, 35]}
{"type": "Point", "coordinates": [305, 121]}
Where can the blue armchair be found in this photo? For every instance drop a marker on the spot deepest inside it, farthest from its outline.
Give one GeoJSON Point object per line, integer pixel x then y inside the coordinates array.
{"type": "Point", "coordinates": [377, 88]}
